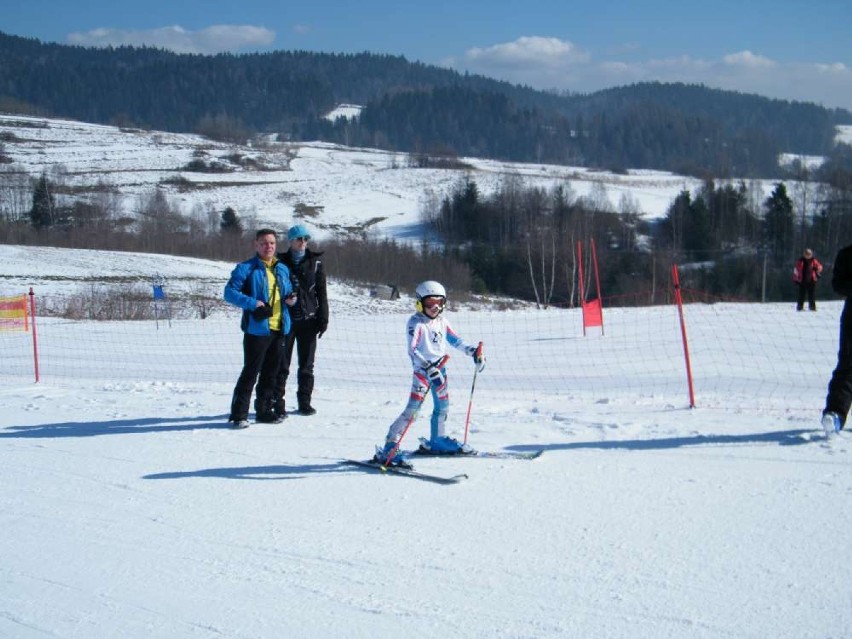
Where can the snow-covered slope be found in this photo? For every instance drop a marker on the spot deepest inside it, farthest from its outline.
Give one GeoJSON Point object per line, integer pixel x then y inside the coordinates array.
{"type": "Point", "coordinates": [128, 509]}
{"type": "Point", "coordinates": [338, 190]}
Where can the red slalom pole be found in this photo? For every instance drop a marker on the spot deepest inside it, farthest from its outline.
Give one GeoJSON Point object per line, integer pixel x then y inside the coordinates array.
{"type": "Point", "coordinates": [35, 338]}
{"type": "Point", "coordinates": [679, 303]}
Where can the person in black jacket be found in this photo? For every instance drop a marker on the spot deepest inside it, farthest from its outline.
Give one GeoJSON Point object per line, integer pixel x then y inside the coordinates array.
{"type": "Point", "coordinates": [309, 317]}
{"type": "Point", "coordinates": [839, 398]}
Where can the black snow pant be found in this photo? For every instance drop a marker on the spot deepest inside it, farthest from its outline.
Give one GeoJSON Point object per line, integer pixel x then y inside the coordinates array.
{"type": "Point", "coordinates": [806, 289]}
{"type": "Point", "coordinates": [261, 355]}
{"type": "Point", "coordinates": [302, 336]}
{"type": "Point", "coordinates": [839, 397]}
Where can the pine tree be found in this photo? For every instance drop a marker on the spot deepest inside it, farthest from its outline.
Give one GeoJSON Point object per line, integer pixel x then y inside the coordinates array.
{"type": "Point", "coordinates": [230, 222]}
{"type": "Point", "coordinates": [778, 224]}
{"type": "Point", "coordinates": [41, 214]}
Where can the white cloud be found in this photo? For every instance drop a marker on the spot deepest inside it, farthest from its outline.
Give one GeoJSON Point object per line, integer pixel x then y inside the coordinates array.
{"type": "Point", "coordinates": [838, 68]}
{"type": "Point", "coordinates": [551, 63]}
{"type": "Point", "coordinates": [529, 50]}
{"type": "Point", "coordinates": [213, 39]}
{"type": "Point", "coordinates": [748, 59]}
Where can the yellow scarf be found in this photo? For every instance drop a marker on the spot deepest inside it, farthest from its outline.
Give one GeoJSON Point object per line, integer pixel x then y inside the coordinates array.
{"type": "Point", "coordinates": [275, 320]}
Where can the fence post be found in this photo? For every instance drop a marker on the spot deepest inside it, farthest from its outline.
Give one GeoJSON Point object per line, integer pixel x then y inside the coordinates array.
{"type": "Point", "coordinates": [35, 338]}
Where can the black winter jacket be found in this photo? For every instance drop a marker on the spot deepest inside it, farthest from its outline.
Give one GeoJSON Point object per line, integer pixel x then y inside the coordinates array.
{"type": "Point", "coordinates": [308, 280]}
{"type": "Point", "coordinates": [841, 278]}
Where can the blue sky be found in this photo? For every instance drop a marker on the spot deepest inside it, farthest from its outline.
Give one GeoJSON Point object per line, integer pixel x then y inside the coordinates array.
{"type": "Point", "coordinates": [783, 49]}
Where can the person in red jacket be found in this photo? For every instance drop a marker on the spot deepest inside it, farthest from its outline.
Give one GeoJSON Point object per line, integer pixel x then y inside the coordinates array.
{"type": "Point", "coordinates": [805, 275]}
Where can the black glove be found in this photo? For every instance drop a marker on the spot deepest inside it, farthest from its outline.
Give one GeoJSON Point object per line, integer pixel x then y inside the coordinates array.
{"type": "Point", "coordinates": [262, 312]}
{"type": "Point", "coordinates": [322, 327]}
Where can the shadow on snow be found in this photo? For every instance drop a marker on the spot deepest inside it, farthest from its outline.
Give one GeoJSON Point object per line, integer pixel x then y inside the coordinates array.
{"type": "Point", "coordinates": [116, 427]}
{"type": "Point", "coordinates": [260, 473]}
{"type": "Point", "coordinates": [780, 437]}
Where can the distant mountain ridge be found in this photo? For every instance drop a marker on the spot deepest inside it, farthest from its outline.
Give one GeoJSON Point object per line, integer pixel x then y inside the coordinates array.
{"type": "Point", "coordinates": [410, 106]}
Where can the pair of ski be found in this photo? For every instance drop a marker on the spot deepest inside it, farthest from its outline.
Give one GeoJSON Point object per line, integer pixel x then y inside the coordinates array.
{"type": "Point", "coordinates": [439, 479]}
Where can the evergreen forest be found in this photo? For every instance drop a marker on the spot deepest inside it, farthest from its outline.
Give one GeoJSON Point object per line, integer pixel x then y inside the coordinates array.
{"type": "Point", "coordinates": [413, 107]}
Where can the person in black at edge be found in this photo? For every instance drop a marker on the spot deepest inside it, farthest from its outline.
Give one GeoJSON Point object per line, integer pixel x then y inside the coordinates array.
{"type": "Point", "coordinates": [839, 398]}
{"type": "Point", "coordinates": [309, 319]}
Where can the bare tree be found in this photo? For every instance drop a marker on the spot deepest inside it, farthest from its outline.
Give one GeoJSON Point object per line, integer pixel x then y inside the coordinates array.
{"type": "Point", "coordinates": [532, 275]}
{"type": "Point", "coordinates": [160, 222]}
{"type": "Point", "coordinates": [15, 193]}
{"type": "Point", "coordinates": [803, 196]}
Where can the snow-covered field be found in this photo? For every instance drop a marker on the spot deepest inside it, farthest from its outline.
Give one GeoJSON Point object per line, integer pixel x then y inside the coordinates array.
{"type": "Point", "coordinates": [129, 509]}
{"type": "Point", "coordinates": [337, 190]}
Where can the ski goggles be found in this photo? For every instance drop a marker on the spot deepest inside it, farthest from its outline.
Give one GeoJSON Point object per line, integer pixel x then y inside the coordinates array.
{"type": "Point", "coordinates": [433, 301]}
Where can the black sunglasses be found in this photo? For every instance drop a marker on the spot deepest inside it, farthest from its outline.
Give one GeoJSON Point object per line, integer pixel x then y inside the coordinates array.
{"type": "Point", "coordinates": [301, 238]}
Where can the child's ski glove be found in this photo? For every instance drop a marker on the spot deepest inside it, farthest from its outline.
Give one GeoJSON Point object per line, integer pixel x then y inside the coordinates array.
{"type": "Point", "coordinates": [435, 375]}
{"type": "Point", "coordinates": [478, 356]}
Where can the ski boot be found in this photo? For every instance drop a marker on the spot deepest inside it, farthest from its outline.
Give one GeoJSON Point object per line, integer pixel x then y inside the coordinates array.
{"type": "Point", "coordinates": [279, 409]}
{"type": "Point", "coordinates": [444, 446]}
{"type": "Point", "coordinates": [831, 423]}
{"type": "Point", "coordinates": [398, 460]}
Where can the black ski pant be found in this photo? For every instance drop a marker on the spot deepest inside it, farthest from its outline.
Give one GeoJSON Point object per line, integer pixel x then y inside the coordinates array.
{"type": "Point", "coordinates": [839, 397]}
{"type": "Point", "coordinates": [261, 355]}
{"type": "Point", "coordinates": [302, 336]}
{"type": "Point", "coordinates": [807, 289]}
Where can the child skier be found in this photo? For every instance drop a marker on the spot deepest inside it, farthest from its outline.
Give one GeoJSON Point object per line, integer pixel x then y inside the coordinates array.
{"type": "Point", "coordinates": [428, 335]}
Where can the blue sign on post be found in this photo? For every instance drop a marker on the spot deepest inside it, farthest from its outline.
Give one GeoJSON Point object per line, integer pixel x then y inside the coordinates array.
{"type": "Point", "coordinates": [160, 294]}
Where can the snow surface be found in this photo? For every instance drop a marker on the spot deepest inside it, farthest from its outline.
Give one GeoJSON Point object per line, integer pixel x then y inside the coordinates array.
{"type": "Point", "coordinates": [348, 111]}
{"type": "Point", "coordinates": [128, 509]}
{"type": "Point", "coordinates": [808, 161]}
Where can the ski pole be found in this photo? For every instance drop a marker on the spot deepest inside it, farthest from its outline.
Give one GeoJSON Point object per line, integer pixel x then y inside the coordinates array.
{"type": "Point", "coordinates": [395, 449]}
{"type": "Point", "coordinates": [470, 401]}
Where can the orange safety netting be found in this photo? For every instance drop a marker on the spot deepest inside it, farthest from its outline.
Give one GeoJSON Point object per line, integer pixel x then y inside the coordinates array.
{"type": "Point", "coordinates": [13, 313]}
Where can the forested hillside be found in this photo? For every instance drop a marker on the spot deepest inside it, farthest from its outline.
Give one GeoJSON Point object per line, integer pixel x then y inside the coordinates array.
{"type": "Point", "coordinates": [412, 107]}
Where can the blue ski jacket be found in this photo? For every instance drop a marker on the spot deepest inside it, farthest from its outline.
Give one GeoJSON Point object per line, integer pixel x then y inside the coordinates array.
{"type": "Point", "coordinates": [247, 284]}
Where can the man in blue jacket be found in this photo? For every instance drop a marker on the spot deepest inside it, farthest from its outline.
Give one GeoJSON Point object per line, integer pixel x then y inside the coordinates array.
{"type": "Point", "coordinates": [258, 286]}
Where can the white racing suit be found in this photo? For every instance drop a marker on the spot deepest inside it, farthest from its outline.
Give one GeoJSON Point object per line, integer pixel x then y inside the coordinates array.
{"type": "Point", "coordinates": [427, 344]}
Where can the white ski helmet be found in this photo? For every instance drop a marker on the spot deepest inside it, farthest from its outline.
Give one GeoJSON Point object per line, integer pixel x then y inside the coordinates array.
{"type": "Point", "coordinates": [430, 288]}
